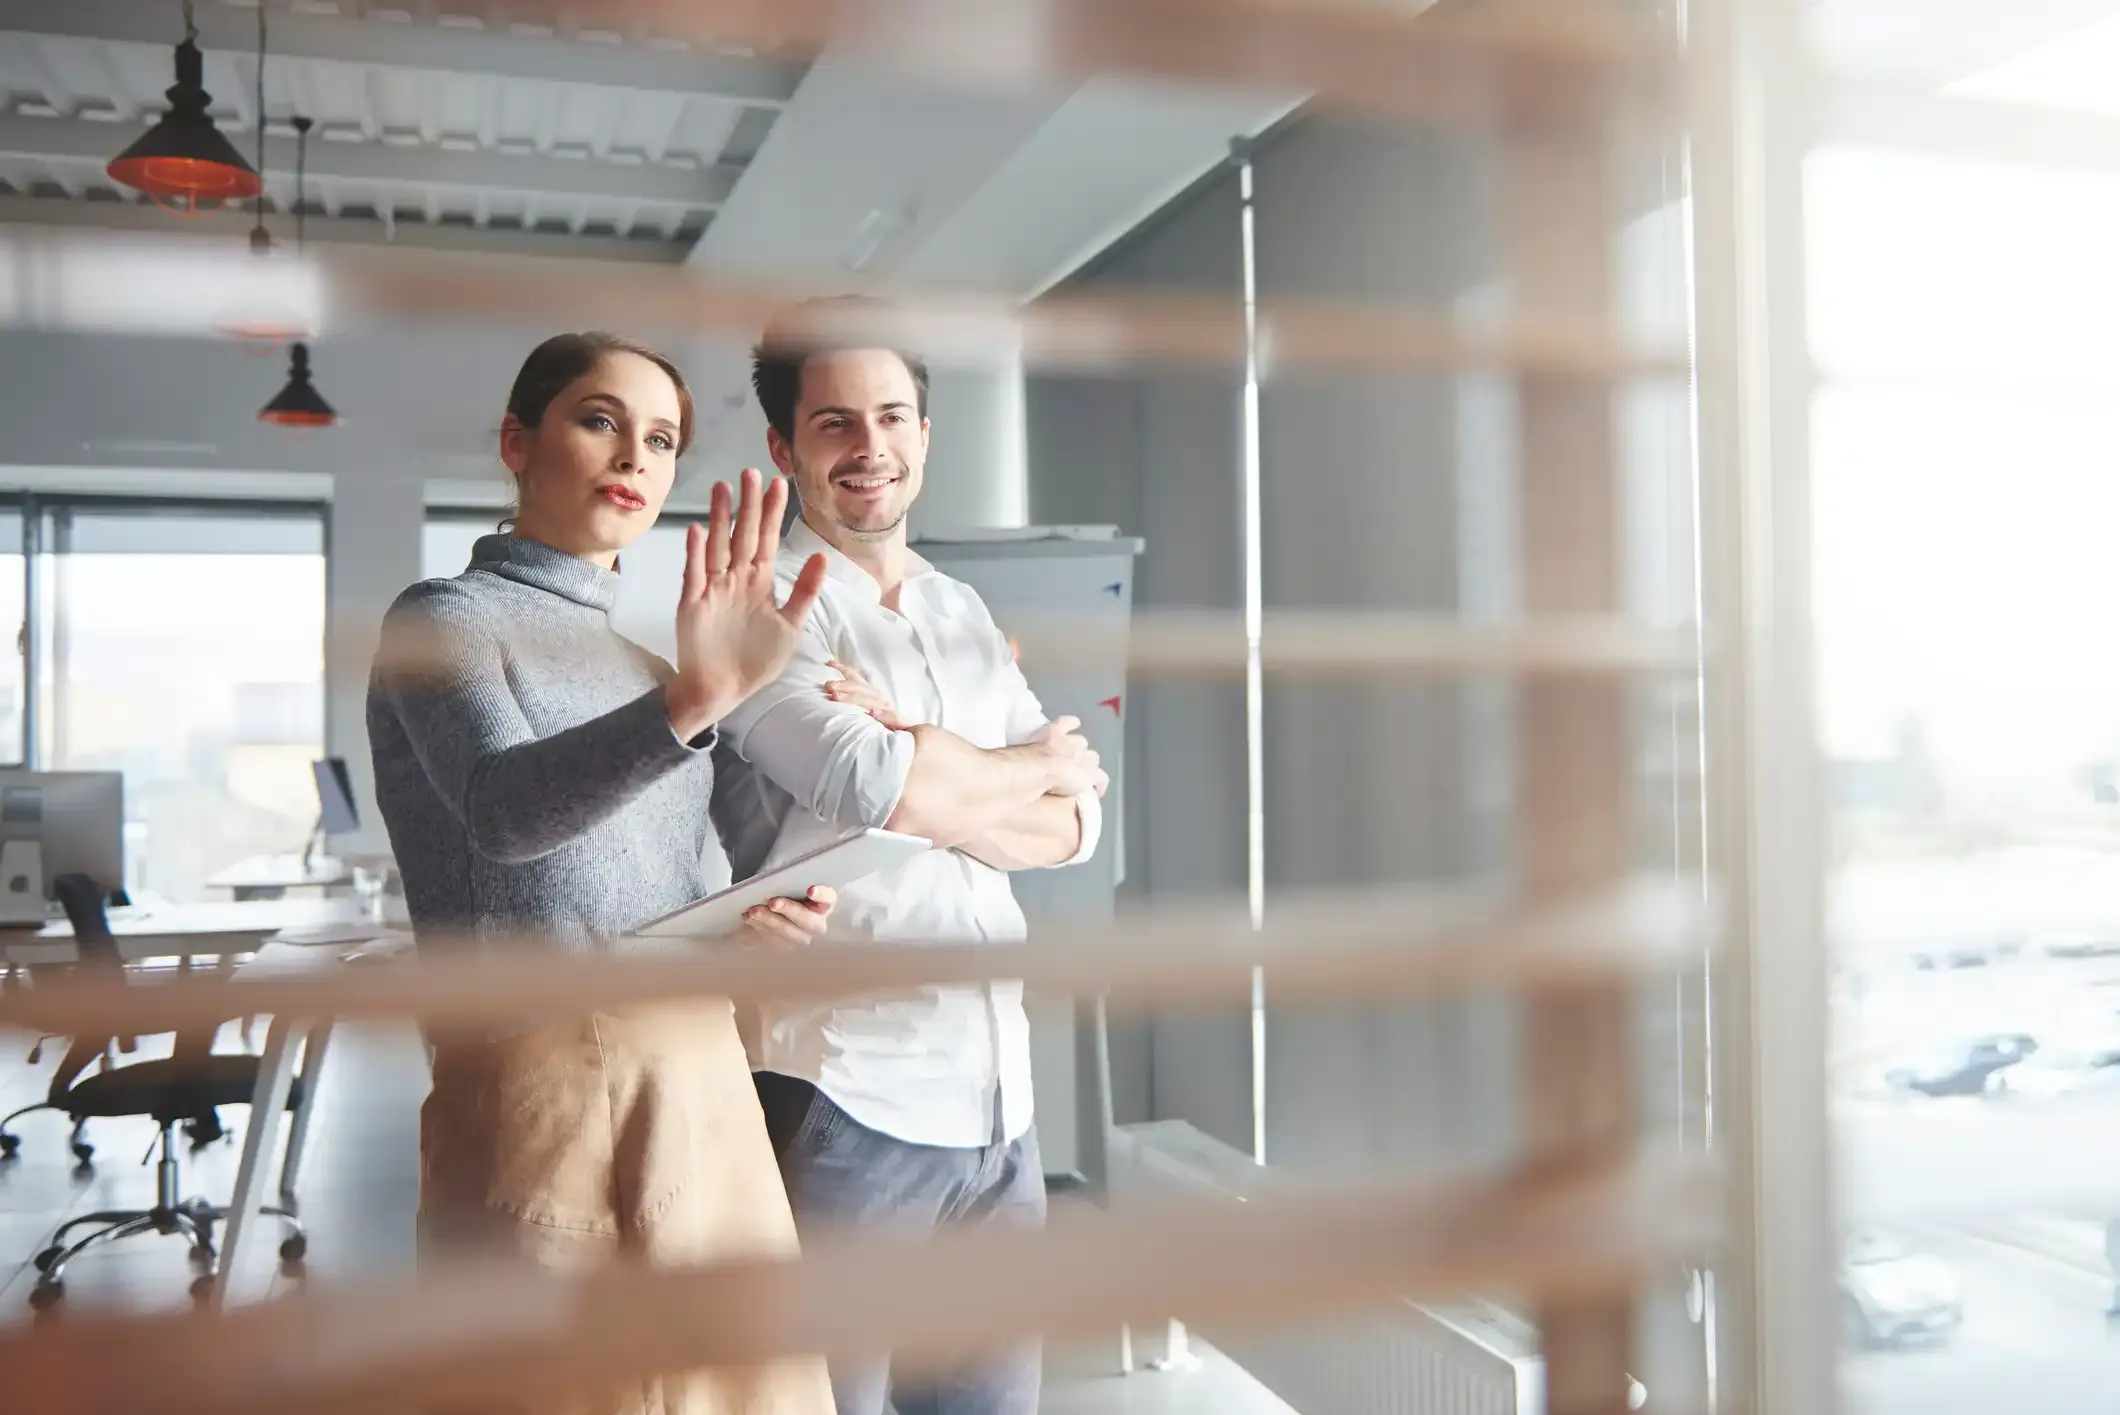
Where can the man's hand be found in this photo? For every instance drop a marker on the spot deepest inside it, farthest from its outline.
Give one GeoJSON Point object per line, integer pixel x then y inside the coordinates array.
{"type": "Point", "coordinates": [790, 923]}
{"type": "Point", "coordinates": [733, 634]}
{"type": "Point", "coordinates": [1071, 759]}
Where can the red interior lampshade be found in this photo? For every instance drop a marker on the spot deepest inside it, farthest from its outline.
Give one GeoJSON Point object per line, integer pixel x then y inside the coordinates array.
{"type": "Point", "coordinates": [183, 162]}
{"type": "Point", "coordinates": [298, 404]}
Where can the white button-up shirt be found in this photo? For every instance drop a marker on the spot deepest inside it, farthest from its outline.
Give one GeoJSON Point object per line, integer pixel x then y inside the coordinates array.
{"type": "Point", "coordinates": [939, 1065]}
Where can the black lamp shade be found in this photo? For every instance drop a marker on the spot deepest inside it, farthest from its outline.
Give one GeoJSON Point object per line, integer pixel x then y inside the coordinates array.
{"type": "Point", "coordinates": [298, 404]}
{"type": "Point", "coordinates": [183, 161]}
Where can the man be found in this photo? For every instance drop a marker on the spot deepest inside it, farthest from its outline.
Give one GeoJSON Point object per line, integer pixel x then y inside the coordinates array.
{"type": "Point", "coordinates": [909, 1109]}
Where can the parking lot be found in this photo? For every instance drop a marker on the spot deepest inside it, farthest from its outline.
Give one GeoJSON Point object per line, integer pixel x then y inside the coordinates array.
{"type": "Point", "coordinates": [2007, 1186]}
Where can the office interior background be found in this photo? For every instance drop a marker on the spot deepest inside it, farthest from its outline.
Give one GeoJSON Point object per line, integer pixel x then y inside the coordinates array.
{"type": "Point", "coordinates": [1923, 1114]}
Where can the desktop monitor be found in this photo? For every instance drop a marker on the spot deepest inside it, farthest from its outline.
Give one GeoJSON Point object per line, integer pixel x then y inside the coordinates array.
{"type": "Point", "coordinates": [76, 818]}
{"type": "Point", "coordinates": [335, 797]}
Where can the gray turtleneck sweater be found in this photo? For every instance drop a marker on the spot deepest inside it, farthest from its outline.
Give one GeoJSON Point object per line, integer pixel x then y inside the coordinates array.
{"type": "Point", "coordinates": [534, 784]}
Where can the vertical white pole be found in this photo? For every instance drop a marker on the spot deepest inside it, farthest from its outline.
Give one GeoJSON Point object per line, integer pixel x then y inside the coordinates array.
{"type": "Point", "coordinates": [1249, 533]}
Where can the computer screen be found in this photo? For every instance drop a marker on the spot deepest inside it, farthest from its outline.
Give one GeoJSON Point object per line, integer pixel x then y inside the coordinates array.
{"type": "Point", "coordinates": [77, 819]}
{"type": "Point", "coordinates": [335, 797]}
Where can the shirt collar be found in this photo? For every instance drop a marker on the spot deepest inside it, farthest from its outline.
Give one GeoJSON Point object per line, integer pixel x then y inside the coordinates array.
{"type": "Point", "coordinates": [801, 543]}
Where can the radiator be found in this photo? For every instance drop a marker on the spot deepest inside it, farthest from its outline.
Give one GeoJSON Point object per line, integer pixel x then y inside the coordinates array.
{"type": "Point", "coordinates": [1407, 1359]}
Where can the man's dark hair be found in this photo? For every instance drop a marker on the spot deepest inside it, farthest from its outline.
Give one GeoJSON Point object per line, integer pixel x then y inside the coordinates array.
{"type": "Point", "coordinates": [827, 325]}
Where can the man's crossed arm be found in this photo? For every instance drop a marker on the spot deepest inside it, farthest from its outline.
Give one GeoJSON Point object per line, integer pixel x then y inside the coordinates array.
{"type": "Point", "coordinates": [835, 743]}
{"type": "Point", "coordinates": [1014, 808]}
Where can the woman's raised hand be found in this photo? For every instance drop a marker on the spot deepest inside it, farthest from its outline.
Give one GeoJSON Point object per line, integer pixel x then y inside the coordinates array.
{"type": "Point", "coordinates": [733, 633]}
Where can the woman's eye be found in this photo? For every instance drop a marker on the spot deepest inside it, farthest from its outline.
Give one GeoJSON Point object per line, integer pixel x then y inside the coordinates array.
{"type": "Point", "coordinates": [661, 442]}
{"type": "Point", "coordinates": [600, 423]}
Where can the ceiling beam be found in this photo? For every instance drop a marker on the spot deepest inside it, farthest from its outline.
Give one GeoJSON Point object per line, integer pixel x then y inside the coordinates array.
{"type": "Point", "coordinates": [466, 48]}
{"type": "Point", "coordinates": [18, 210]}
{"type": "Point", "coordinates": [1477, 63]}
{"type": "Point", "coordinates": [82, 140]}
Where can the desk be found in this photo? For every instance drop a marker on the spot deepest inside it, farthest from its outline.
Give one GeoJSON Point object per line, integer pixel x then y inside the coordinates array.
{"type": "Point", "coordinates": [181, 930]}
{"type": "Point", "coordinates": [271, 876]}
{"type": "Point", "coordinates": [268, 1103]}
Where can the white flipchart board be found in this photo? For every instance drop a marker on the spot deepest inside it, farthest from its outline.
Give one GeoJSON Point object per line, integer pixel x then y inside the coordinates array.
{"type": "Point", "coordinates": [1079, 577]}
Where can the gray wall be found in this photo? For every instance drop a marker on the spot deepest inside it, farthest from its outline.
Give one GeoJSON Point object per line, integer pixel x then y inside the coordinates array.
{"type": "Point", "coordinates": [1360, 497]}
{"type": "Point", "coordinates": [1156, 455]}
{"type": "Point", "coordinates": [1379, 492]}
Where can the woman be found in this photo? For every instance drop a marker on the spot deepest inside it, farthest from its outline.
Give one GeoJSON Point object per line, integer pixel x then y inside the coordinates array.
{"type": "Point", "coordinates": [541, 775]}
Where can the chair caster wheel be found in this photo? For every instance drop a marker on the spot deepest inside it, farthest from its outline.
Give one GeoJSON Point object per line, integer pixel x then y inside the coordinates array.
{"type": "Point", "coordinates": [10, 1146]}
{"type": "Point", "coordinates": [202, 1255]}
{"type": "Point", "coordinates": [45, 1259]}
{"type": "Point", "coordinates": [47, 1295]}
{"type": "Point", "coordinates": [202, 1287]}
{"type": "Point", "coordinates": [293, 1250]}
{"type": "Point", "coordinates": [84, 1152]}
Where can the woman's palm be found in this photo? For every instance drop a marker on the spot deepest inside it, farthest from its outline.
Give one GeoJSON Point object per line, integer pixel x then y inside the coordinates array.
{"type": "Point", "coordinates": [734, 635]}
{"type": "Point", "coordinates": [739, 629]}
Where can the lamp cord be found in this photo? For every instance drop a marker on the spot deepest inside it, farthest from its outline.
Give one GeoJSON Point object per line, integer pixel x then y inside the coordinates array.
{"type": "Point", "coordinates": [301, 163]}
{"type": "Point", "coordinates": [258, 206]}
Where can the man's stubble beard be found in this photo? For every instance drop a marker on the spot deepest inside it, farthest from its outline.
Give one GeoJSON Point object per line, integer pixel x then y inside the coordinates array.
{"type": "Point", "coordinates": [874, 532]}
{"type": "Point", "coordinates": [861, 532]}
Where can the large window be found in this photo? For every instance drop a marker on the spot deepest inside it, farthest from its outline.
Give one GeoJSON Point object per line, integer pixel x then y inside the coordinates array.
{"type": "Point", "coordinates": [1963, 443]}
{"type": "Point", "coordinates": [183, 645]}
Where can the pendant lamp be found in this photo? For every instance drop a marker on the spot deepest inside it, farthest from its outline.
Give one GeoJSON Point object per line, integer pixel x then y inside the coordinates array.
{"type": "Point", "coordinates": [299, 404]}
{"type": "Point", "coordinates": [183, 162]}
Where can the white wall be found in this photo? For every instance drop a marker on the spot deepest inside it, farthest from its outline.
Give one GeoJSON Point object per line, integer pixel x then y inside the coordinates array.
{"type": "Point", "coordinates": [374, 553]}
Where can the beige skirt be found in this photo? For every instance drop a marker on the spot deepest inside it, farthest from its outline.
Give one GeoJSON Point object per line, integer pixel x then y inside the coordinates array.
{"type": "Point", "coordinates": [615, 1138]}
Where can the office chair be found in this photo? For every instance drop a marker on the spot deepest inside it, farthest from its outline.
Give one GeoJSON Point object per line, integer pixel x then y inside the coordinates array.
{"type": "Point", "coordinates": [11, 1143]}
{"type": "Point", "coordinates": [81, 1052]}
{"type": "Point", "coordinates": [185, 1088]}
{"type": "Point", "coordinates": [75, 1061]}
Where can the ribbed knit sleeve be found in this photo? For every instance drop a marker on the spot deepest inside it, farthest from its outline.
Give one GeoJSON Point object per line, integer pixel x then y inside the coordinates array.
{"type": "Point", "coordinates": [517, 796]}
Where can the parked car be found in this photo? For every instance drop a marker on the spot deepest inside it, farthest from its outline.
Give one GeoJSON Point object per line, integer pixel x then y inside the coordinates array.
{"type": "Point", "coordinates": [2066, 1068]}
{"type": "Point", "coordinates": [1960, 1068]}
{"type": "Point", "coordinates": [2081, 945]}
{"type": "Point", "coordinates": [1893, 1296]}
{"type": "Point", "coordinates": [1957, 955]}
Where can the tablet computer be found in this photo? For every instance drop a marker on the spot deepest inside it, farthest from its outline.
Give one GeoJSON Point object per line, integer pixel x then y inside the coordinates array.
{"type": "Point", "coordinates": [839, 864]}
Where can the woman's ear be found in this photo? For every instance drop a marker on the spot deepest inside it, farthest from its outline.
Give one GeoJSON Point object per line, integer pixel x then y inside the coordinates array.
{"type": "Point", "coordinates": [516, 442]}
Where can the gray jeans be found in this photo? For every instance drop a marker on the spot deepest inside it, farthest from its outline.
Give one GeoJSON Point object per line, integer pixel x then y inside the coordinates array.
{"type": "Point", "coordinates": [839, 1171]}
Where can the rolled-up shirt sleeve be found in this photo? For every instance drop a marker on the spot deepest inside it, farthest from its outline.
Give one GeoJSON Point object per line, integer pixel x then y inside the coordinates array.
{"type": "Point", "coordinates": [1026, 719]}
{"type": "Point", "coordinates": [838, 762]}
{"type": "Point", "coordinates": [1089, 811]}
